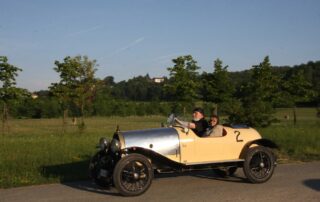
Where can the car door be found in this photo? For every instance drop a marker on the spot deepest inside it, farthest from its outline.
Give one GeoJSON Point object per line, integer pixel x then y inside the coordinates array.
{"type": "Point", "coordinates": [212, 149]}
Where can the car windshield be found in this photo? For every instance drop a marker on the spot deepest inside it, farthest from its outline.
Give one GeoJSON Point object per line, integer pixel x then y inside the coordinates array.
{"type": "Point", "coordinates": [174, 121]}
{"type": "Point", "coordinates": [170, 120]}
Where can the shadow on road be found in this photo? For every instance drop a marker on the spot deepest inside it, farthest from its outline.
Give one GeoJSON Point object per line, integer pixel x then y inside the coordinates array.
{"type": "Point", "coordinates": [92, 187]}
{"type": "Point", "coordinates": [207, 174]}
{"type": "Point", "coordinates": [67, 172]}
{"type": "Point", "coordinates": [313, 184]}
{"type": "Point", "coordinates": [76, 175]}
{"type": "Point", "coordinates": [70, 175]}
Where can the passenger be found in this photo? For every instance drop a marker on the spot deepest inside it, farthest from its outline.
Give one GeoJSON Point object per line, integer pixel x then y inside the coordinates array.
{"type": "Point", "coordinates": [198, 125]}
{"type": "Point", "coordinates": [214, 130]}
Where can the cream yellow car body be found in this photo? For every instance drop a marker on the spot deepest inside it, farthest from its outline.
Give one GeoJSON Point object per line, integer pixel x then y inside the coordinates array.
{"type": "Point", "coordinates": [204, 150]}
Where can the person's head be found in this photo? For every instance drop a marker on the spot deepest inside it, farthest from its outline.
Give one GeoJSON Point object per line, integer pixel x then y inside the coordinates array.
{"type": "Point", "coordinates": [197, 114]}
{"type": "Point", "coordinates": [214, 120]}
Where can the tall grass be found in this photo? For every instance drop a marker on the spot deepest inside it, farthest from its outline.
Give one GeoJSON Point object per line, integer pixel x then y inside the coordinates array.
{"type": "Point", "coordinates": [297, 142]}
{"type": "Point", "coordinates": [36, 151]}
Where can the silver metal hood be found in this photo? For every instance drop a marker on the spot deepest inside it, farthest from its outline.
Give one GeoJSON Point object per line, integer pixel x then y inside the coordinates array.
{"type": "Point", "coordinates": [164, 141]}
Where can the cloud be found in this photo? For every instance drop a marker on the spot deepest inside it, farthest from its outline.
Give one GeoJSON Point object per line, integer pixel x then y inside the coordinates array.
{"type": "Point", "coordinates": [130, 45]}
{"type": "Point", "coordinates": [169, 57]}
{"type": "Point", "coordinates": [122, 49]}
{"type": "Point", "coordinates": [85, 31]}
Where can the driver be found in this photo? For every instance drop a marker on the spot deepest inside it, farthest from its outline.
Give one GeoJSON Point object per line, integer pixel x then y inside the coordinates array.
{"type": "Point", "coordinates": [199, 125]}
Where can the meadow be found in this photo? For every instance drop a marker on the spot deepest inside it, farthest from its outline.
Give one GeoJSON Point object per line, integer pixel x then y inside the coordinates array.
{"type": "Point", "coordinates": [36, 151]}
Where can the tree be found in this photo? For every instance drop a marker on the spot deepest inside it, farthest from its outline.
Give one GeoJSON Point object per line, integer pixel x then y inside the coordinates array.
{"type": "Point", "coordinates": [217, 87]}
{"type": "Point", "coordinates": [258, 96]}
{"type": "Point", "coordinates": [183, 85]}
{"type": "Point", "coordinates": [263, 84]}
{"type": "Point", "coordinates": [8, 90]}
{"type": "Point", "coordinates": [137, 88]}
{"type": "Point", "coordinates": [183, 82]}
{"type": "Point", "coordinates": [77, 84]}
{"type": "Point", "coordinates": [297, 89]}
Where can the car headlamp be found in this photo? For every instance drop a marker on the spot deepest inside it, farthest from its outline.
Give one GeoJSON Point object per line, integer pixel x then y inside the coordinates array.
{"type": "Point", "coordinates": [115, 145]}
{"type": "Point", "coordinates": [103, 143]}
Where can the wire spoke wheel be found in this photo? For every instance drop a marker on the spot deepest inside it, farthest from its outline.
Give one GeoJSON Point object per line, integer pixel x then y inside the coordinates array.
{"type": "Point", "coordinates": [259, 164]}
{"type": "Point", "coordinates": [133, 175]}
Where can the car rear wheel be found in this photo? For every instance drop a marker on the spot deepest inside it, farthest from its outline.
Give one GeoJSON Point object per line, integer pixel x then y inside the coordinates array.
{"type": "Point", "coordinates": [133, 175]}
{"type": "Point", "coordinates": [259, 164]}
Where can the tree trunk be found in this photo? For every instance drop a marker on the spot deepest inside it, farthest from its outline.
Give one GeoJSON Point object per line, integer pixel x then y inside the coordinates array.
{"type": "Point", "coordinates": [82, 125]}
{"type": "Point", "coordinates": [5, 126]}
{"type": "Point", "coordinates": [64, 120]}
{"type": "Point", "coordinates": [294, 116]}
{"type": "Point", "coordinates": [214, 110]}
{"type": "Point", "coordinates": [3, 118]}
{"type": "Point", "coordinates": [82, 114]}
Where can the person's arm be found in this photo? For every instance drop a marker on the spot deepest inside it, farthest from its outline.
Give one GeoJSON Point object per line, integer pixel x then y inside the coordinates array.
{"type": "Point", "coordinates": [201, 126]}
{"type": "Point", "coordinates": [192, 125]}
{"type": "Point", "coordinates": [184, 124]}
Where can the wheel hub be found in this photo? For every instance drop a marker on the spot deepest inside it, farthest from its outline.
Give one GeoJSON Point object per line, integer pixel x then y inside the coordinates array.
{"type": "Point", "coordinates": [262, 165]}
{"type": "Point", "coordinates": [136, 176]}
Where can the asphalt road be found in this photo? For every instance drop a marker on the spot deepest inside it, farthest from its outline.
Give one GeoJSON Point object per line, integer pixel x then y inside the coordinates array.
{"type": "Point", "coordinates": [290, 182]}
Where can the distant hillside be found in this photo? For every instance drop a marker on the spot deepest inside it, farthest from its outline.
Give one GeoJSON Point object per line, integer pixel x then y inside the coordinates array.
{"type": "Point", "coordinates": [311, 72]}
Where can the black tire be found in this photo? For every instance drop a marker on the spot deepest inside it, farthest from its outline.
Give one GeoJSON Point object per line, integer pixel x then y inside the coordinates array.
{"type": "Point", "coordinates": [98, 163]}
{"type": "Point", "coordinates": [133, 175]}
{"type": "Point", "coordinates": [259, 164]}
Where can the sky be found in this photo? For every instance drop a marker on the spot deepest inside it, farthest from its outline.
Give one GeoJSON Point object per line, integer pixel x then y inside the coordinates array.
{"type": "Point", "coordinates": [137, 37]}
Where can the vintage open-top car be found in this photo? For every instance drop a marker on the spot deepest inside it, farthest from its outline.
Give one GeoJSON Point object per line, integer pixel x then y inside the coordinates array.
{"type": "Point", "coordinates": [129, 160]}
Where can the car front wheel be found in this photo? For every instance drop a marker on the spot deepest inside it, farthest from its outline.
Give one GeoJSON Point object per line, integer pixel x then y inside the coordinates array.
{"type": "Point", "coordinates": [133, 175]}
{"type": "Point", "coordinates": [259, 164]}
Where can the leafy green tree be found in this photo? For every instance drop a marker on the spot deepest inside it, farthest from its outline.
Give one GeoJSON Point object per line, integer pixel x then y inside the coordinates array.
{"type": "Point", "coordinates": [62, 92]}
{"type": "Point", "coordinates": [297, 89]}
{"type": "Point", "coordinates": [183, 82]}
{"type": "Point", "coordinates": [137, 88]}
{"type": "Point", "coordinates": [107, 86]}
{"type": "Point", "coordinates": [263, 84]}
{"type": "Point", "coordinates": [8, 90]}
{"type": "Point", "coordinates": [218, 87]}
{"type": "Point", "coordinates": [259, 94]}
{"type": "Point", "coordinates": [77, 84]}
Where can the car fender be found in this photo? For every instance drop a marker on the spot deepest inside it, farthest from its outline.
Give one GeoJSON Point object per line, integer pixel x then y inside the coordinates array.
{"type": "Point", "coordinates": [263, 142]}
{"type": "Point", "coordinates": [156, 159]}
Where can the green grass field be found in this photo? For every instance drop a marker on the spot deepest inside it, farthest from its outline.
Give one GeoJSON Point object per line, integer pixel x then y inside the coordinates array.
{"type": "Point", "coordinates": [300, 142]}
{"type": "Point", "coordinates": [36, 151]}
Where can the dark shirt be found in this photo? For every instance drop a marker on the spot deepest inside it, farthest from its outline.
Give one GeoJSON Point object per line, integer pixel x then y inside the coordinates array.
{"type": "Point", "coordinates": [201, 127]}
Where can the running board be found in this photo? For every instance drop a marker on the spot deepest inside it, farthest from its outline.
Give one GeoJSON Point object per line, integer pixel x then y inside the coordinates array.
{"type": "Point", "coordinates": [214, 162]}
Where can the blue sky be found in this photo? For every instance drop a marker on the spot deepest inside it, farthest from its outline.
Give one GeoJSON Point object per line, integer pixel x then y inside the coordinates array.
{"type": "Point", "coordinates": [135, 37]}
